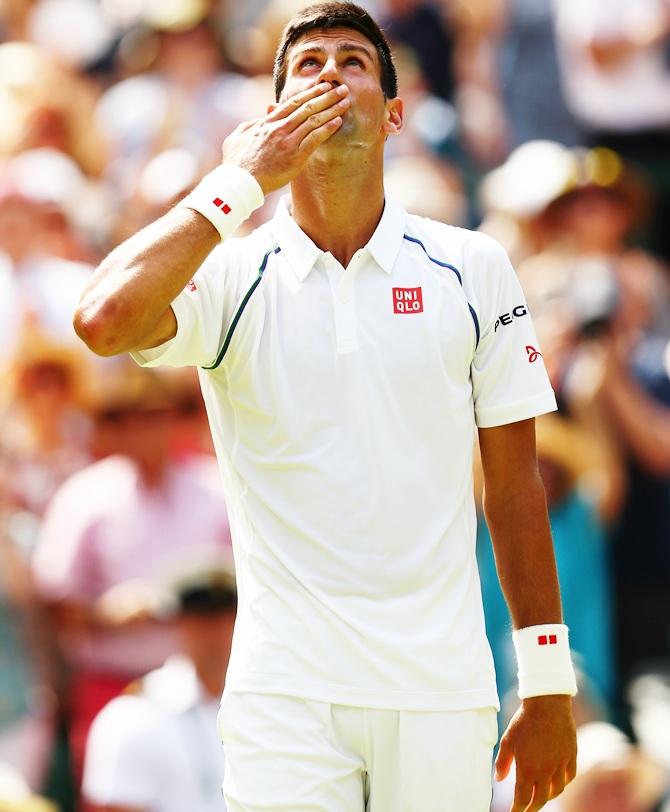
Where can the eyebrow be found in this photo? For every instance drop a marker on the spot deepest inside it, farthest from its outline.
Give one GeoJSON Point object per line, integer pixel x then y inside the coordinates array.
{"type": "Point", "coordinates": [345, 47]}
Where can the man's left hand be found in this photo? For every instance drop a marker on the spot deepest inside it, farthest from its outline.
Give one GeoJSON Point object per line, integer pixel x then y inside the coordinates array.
{"type": "Point", "coordinates": [541, 739]}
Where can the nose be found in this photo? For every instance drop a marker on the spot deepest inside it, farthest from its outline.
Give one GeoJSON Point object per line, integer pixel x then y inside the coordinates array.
{"type": "Point", "coordinates": [330, 73]}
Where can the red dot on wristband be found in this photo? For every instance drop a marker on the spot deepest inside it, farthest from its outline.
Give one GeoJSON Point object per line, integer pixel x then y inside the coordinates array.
{"type": "Point", "coordinates": [552, 640]}
{"type": "Point", "coordinates": [225, 208]}
{"type": "Point", "coordinates": [542, 640]}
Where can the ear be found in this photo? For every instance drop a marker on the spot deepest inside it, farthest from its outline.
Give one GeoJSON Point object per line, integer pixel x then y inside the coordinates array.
{"type": "Point", "coordinates": [395, 116]}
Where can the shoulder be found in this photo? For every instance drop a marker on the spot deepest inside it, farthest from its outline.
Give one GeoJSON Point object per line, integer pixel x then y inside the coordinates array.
{"type": "Point", "coordinates": [461, 245]}
{"type": "Point", "coordinates": [124, 725]}
{"type": "Point", "coordinates": [128, 752]}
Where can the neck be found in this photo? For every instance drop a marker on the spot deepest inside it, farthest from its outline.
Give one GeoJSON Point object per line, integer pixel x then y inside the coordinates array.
{"type": "Point", "coordinates": [339, 203]}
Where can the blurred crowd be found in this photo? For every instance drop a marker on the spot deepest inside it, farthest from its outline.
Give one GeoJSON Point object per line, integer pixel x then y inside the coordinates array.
{"type": "Point", "coordinates": [546, 123]}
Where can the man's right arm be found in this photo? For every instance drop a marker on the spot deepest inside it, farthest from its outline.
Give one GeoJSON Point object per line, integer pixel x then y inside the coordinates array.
{"type": "Point", "coordinates": [126, 305]}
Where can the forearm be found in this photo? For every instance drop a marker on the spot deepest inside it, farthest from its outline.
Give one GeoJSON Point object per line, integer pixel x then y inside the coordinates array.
{"type": "Point", "coordinates": [128, 296]}
{"type": "Point", "coordinates": [524, 553]}
{"type": "Point", "coordinates": [644, 424]}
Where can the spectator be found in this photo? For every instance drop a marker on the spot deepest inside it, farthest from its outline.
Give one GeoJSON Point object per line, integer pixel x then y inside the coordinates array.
{"type": "Point", "coordinates": [508, 73]}
{"type": "Point", "coordinates": [44, 104]}
{"type": "Point", "coordinates": [649, 698]}
{"type": "Point", "coordinates": [156, 749]}
{"type": "Point", "coordinates": [27, 703]}
{"type": "Point", "coordinates": [635, 391]}
{"type": "Point", "coordinates": [189, 99]}
{"type": "Point", "coordinates": [530, 81]}
{"type": "Point", "coordinates": [423, 27]}
{"type": "Point", "coordinates": [111, 531]}
{"type": "Point", "coordinates": [48, 215]}
{"type": "Point", "coordinates": [617, 82]}
{"type": "Point", "coordinates": [44, 441]}
{"type": "Point", "coordinates": [47, 427]}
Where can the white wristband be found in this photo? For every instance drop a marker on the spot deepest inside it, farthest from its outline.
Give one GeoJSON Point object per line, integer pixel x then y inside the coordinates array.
{"type": "Point", "coordinates": [543, 658]}
{"type": "Point", "coordinates": [226, 197]}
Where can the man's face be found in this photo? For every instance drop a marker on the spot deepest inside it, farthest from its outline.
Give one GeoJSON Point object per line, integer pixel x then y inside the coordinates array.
{"type": "Point", "coordinates": [344, 56]}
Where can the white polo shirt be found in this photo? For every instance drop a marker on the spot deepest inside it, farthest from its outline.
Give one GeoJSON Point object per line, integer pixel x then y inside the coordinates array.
{"type": "Point", "coordinates": [343, 405]}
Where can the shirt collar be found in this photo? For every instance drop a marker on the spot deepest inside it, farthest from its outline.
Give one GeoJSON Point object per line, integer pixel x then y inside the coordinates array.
{"type": "Point", "coordinates": [302, 253]}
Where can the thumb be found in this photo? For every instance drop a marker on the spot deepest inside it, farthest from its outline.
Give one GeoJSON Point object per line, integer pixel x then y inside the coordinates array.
{"type": "Point", "coordinates": [504, 759]}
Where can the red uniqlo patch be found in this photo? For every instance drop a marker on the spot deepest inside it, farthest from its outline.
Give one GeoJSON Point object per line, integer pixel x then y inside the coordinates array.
{"type": "Point", "coordinates": [407, 300]}
{"type": "Point", "coordinates": [225, 208]}
{"type": "Point", "coordinates": [543, 640]}
{"type": "Point", "coordinates": [191, 286]}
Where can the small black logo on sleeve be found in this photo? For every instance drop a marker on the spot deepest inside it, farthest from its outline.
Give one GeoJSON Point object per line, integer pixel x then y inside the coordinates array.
{"type": "Point", "coordinates": [507, 318]}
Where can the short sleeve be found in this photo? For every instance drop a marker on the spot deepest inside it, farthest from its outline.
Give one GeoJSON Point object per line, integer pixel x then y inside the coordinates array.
{"type": "Point", "coordinates": [200, 313]}
{"type": "Point", "coordinates": [121, 767]}
{"type": "Point", "coordinates": [509, 378]}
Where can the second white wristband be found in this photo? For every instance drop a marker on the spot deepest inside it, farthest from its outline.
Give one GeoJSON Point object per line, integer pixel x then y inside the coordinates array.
{"type": "Point", "coordinates": [226, 197]}
{"type": "Point", "coordinates": [543, 658]}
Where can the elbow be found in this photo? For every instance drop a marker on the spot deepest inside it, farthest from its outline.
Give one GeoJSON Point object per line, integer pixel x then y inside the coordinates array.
{"type": "Point", "coordinates": [97, 328]}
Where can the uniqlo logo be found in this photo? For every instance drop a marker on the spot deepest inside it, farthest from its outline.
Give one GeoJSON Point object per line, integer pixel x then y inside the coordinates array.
{"type": "Point", "coordinates": [225, 208]}
{"type": "Point", "coordinates": [407, 300]}
{"type": "Point", "coordinates": [190, 285]}
{"type": "Point", "coordinates": [547, 640]}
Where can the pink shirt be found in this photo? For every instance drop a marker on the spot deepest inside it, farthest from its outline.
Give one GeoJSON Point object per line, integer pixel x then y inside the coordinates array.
{"type": "Point", "coordinates": [104, 528]}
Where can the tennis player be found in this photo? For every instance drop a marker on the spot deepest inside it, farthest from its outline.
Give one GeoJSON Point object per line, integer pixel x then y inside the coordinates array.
{"type": "Point", "coordinates": [348, 353]}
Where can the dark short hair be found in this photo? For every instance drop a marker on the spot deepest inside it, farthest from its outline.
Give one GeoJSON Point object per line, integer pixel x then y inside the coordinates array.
{"type": "Point", "coordinates": [207, 600]}
{"type": "Point", "coordinates": [322, 16]}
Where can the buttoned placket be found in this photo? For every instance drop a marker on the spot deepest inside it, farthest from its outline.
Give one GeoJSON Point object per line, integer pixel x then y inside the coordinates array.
{"type": "Point", "coordinates": [342, 288]}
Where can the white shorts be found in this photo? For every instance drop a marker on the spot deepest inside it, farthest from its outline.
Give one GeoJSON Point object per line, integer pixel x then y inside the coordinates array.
{"type": "Point", "coordinates": [297, 755]}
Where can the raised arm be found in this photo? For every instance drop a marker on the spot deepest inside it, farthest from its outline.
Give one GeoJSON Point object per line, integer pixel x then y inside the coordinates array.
{"type": "Point", "coordinates": [126, 306]}
{"type": "Point", "coordinates": [541, 736]}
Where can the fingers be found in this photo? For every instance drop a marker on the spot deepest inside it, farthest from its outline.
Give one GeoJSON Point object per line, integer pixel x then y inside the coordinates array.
{"type": "Point", "coordinates": [557, 783]}
{"type": "Point", "coordinates": [318, 120]}
{"type": "Point", "coordinates": [529, 797]}
{"type": "Point", "coordinates": [540, 797]}
{"type": "Point", "coordinates": [523, 793]}
{"type": "Point", "coordinates": [311, 141]}
{"type": "Point", "coordinates": [285, 109]}
{"type": "Point", "coordinates": [336, 98]}
{"type": "Point", "coordinates": [247, 125]}
{"type": "Point", "coordinates": [504, 759]}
